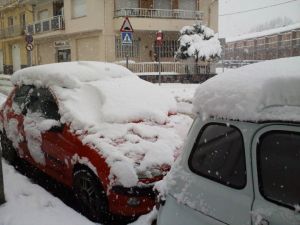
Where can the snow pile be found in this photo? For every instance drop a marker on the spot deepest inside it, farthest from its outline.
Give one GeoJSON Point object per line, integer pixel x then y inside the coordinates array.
{"type": "Point", "coordinates": [198, 41]}
{"type": "Point", "coordinates": [257, 92]}
{"type": "Point", "coordinates": [29, 204]}
{"type": "Point", "coordinates": [127, 120]}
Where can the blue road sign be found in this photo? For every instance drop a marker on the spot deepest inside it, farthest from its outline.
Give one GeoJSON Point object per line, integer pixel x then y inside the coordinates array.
{"type": "Point", "coordinates": [126, 38]}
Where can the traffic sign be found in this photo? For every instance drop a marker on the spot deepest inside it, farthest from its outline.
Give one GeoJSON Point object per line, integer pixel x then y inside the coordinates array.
{"type": "Point", "coordinates": [29, 47]}
{"type": "Point", "coordinates": [126, 38]}
{"type": "Point", "coordinates": [126, 27]}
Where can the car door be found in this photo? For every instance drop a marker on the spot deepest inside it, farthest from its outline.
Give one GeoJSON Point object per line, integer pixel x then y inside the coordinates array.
{"type": "Point", "coordinates": [45, 134]}
{"type": "Point", "coordinates": [276, 165]}
{"type": "Point", "coordinates": [220, 185]}
{"type": "Point", "coordinates": [14, 117]}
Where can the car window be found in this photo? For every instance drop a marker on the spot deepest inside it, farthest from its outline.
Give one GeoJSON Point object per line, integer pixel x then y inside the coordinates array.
{"type": "Point", "coordinates": [42, 101]}
{"type": "Point", "coordinates": [219, 155]}
{"type": "Point", "coordinates": [21, 97]}
{"type": "Point", "coordinates": [278, 157]}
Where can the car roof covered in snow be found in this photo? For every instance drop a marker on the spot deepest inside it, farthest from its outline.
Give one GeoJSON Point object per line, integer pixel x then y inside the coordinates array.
{"type": "Point", "coordinates": [68, 74]}
{"type": "Point", "coordinates": [265, 91]}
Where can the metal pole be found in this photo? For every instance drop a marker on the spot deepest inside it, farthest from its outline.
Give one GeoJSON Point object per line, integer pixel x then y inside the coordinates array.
{"type": "Point", "coordinates": [2, 198]}
{"type": "Point", "coordinates": [159, 66]}
{"type": "Point", "coordinates": [127, 60]}
{"type": "Point", "coordinates": [30, 58]}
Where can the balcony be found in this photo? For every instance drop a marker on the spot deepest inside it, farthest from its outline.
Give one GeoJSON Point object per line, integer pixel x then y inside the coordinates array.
{"type": "Point", "coordinates": [159, 13]}
{"type": "Point", "coordinates": [12, 31]}
{"type": "Point", "coordinates": [51, 24]}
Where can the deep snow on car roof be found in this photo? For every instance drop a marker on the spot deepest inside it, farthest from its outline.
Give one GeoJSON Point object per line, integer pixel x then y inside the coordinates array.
{"type": "Point", "coordinates": [69, 74]}
{"type": "Point", "coordinates": [259, 92]}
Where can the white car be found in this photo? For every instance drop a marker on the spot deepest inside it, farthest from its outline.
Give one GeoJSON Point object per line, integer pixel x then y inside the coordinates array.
{"type": "Point", "coordinates": [241, 160]}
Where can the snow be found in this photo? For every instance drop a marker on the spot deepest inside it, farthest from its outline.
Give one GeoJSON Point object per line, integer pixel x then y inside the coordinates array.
{"type": "Point", "coordinates": [29, 204]}
{"type": "Point", "coordinates": [264, 33]}
{"type": "Point", "coordinates": [263, 91]}
{"type": "Point", "coordinates": [201, 45]}
{"type": "Point", "coordinates": [127, 120]}
{"type": "Point", "coordinates": [34, 127]}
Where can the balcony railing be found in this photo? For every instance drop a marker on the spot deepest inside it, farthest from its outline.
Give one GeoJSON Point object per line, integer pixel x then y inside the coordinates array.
{"type": "Point", "coordinates": [12, 31]}
{"type": "Point", "coordinates": [46, 25]}
{"type": "Point", "coordinates": [159, 13]}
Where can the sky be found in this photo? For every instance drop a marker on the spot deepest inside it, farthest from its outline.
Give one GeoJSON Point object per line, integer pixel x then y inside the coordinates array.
{"type": "Point", "coordinates": [237, 24]}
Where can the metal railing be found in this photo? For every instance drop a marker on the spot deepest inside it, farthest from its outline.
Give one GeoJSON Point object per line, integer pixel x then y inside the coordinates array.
{"type": "Point", "coordinates": [171, 68]}
{"type": "Point", "coordinates": [159, 13]}
{"type": "Point", "coordinates": [12, 31]}
{"type": "Point", "coordinates": [46, 25]}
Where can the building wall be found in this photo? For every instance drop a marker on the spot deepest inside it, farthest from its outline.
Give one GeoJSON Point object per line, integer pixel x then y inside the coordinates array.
{"type": "Point", "coordinates": [93, 36]}
{"type": "Point", "coordinates": [285, 44]}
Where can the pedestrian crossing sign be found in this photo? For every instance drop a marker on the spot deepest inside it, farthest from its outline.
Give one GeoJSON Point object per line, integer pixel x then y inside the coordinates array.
{"type": "Point", "coordinates": [126, 38]}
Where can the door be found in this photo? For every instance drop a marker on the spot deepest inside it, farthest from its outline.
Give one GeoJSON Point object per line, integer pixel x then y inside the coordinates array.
{"type": "Point", "coordinates": [276, 157]}
{"type": "Point", "coordinates": [45, 134]}
{"type": "Point", "coordinates": [220, 185]}
{"type": "Point", "coordinates": [63, 55]}
{"type": "Point", "coordinates": [16, 57]}
{"type": "Point", "coordinates": [146, 4]}
{"type": "Point", "coordinates": [1, 62]}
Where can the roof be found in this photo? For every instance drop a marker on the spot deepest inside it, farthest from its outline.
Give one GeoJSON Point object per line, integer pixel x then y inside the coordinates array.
{"type": "Point", "coordinates": [264, 33]}
{"type": "Point", "coordinates": [258, 92]}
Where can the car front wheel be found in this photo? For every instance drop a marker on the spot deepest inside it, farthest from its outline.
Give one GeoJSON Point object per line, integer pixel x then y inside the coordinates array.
{"type": "Point", "coordinates": [90, 196]}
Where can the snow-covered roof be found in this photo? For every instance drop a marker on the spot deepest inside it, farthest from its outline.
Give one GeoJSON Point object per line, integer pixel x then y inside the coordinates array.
{"type": "Point", "coordinates": [264, 33]}
{"type": "Point", "coordinates": [263, 91]}
{"type": "Point", "coordinates": [68, 74]}
{"type": "Point", "coordinates": [122, 116]}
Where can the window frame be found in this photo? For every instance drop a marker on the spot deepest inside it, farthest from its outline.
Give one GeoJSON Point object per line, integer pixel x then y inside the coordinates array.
{"type": "Point", "coordinates": [203, 128]}
{"type": "Point", "coordinates": [258, 165]}
{"type": "Point", "coordinates": [73, 16]}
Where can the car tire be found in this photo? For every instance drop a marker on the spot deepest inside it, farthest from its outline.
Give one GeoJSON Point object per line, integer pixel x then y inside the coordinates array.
{"type": "Point", "coordinates": [8, 151]}
{"type": "Point", "coordinates": [90, 196]}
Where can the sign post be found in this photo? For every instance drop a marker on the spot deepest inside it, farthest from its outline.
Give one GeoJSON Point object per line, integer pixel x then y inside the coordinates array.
{"type": "Point", "coordinates": [159, 42]}
{"type": "Point", "coordinates": [126, 37]}
{"type": "Point", "coordinates": [29, 47]}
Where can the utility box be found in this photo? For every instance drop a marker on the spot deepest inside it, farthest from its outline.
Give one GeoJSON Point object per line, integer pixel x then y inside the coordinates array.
{"type": "Point", "coordinates": [2, 199]}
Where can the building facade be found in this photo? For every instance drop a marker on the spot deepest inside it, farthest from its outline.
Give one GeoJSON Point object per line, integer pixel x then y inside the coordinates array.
{"type": "Point", "coordinates": [271, 44]}
{"type": "Point", "coordinates": [70, 30]}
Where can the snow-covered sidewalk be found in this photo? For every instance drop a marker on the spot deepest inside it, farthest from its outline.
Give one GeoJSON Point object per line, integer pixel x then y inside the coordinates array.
{"type": "Point", "coordinates": [30, 204]}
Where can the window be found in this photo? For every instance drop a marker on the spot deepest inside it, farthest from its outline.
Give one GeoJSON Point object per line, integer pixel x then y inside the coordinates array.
{"type": "Point", "coordinates": [42, 101]}
{"type": "Point", "coordinates": [278, 156]}
{"type": "Point", "coordinates": [10, 21]}
{"type": "Point", "coordinates": [23, 20]}
{"type": "Point", "coordinates": [168, 48]}
{"type": "Point", "coordinates": [43, 14]}
{"type": "Point", "coordinates": [219, 155]}
{"type": "Point", "coordinates": [133, 50]}
{"type": "Point", "coordinates": [78, 8]}
{"type": "Point", "coordinates": [64, 55]}
{"type": "Point", "coordinates": [22, 96]}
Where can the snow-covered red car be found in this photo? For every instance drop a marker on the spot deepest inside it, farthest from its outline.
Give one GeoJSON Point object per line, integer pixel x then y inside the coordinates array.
{"type": "Point", "coordinates": [95, 127]}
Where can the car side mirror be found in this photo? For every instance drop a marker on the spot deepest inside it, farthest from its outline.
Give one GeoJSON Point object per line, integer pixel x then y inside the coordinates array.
{"type": "Point", "coordinates": [57, 129]}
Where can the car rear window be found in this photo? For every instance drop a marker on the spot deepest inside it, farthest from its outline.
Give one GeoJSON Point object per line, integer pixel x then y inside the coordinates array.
{"type": "Point", "coordinates": [278, 156]}
{"type": "Point", "coordinates": [219, 155]}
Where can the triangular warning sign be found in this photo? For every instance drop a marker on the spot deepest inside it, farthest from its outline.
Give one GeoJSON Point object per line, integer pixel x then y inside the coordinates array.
{"type": "Point", "coordinates": [126, 27]}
